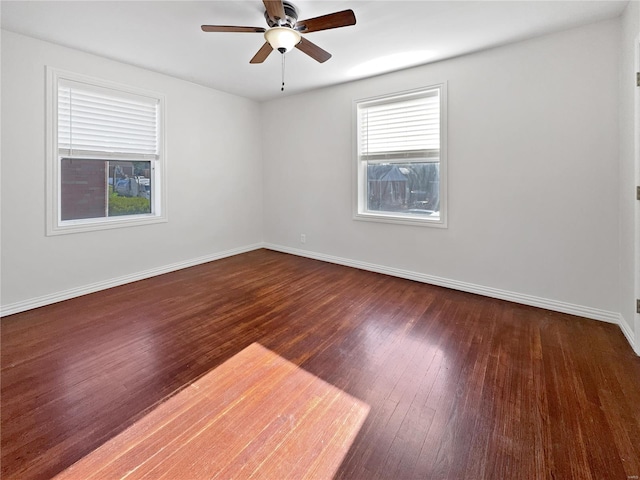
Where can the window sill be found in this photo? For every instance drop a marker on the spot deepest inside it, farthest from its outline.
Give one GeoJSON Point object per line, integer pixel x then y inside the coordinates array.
{"type": "Point", "coordinates": [422, 221]}
{"type": "Point", "coordinates": [80, 226]}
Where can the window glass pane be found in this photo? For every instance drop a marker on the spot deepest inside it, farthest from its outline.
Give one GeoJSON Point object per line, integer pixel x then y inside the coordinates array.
{"type": "Point", "coordinates": [104, 188]}
{"type": "Point", "coordinates": [407, 188]}
{"type": "Point", "coordinates": [130, 188]}
{"type": "Point", "coordinates": [84, 189]}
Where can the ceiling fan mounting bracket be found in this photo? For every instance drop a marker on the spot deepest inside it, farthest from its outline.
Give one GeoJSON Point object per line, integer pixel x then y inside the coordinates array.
{"type": "Point", "coordinates": [291, 16]}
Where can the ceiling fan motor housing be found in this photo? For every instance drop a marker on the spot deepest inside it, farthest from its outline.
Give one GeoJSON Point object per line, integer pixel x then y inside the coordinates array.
{"type": "Point", "coordinates": [291, 16]}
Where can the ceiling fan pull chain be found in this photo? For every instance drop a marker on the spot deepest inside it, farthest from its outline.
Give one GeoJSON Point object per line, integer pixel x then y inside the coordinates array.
{"type": "Point", "coordinates": [282, 88]}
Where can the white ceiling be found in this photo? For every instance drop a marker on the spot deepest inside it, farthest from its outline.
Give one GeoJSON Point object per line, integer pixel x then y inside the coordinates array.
{"type": "Point", "coordinates": [165, 36]}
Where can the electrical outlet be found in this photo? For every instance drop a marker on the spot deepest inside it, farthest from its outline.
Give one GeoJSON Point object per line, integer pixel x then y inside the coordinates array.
{"type": "Point", "coordinates": [303, 238]}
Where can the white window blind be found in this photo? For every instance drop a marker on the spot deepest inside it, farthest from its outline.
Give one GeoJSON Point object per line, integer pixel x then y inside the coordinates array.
{"type": "Point", "coordinates": [404, 128]}
{"type": "Point", "coordinates": [97, 122]}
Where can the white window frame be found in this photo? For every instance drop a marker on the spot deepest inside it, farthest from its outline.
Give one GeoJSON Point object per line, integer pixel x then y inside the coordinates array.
{"type": "Point", "coordinates": [360, 211]}
{"type": "Point", "coordinates": [54, 224]}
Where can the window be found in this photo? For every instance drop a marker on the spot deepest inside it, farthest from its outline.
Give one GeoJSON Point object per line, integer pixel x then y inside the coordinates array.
{"type": "Point", "coordinates": [401, 160]}
{"type": "Point", "coordinates": [105, 156]}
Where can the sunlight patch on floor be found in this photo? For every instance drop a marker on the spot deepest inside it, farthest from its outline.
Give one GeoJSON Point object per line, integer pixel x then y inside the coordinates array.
{"type": "Point", "coordinates": [256, 415]}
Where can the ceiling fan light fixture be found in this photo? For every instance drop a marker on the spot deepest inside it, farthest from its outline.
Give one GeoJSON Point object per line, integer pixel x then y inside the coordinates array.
{"type": "Point", "coordinates": [282, 39]}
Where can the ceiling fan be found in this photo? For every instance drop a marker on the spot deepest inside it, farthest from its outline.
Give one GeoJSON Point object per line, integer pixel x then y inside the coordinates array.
{"type": "Point", "coordinates": [285, 30]}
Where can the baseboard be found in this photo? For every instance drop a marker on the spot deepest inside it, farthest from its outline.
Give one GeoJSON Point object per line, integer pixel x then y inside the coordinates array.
{"type": "Point", "coordinates": [628, 333]}
{"type": "Point", "coordinates": [555, 305]}
{"type": "Point", "coordinates": [22, 306]}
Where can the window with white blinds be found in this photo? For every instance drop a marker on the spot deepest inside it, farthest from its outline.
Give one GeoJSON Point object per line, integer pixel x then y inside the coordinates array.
{"type": "Point", "coordinates": [401, 128]}
{"type": "Point", "coordinates": [93, 121]}
{"type": "Point", "coordinates": [400, 154]}
{"type": "Point", "coordinates": [105, 155]}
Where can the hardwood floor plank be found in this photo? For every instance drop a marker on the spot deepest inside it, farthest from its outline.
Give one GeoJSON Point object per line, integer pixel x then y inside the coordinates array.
{"type": "Point", "coordinates": [458, 385]}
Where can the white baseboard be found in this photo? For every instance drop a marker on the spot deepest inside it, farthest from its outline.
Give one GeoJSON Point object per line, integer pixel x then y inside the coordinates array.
{"type": "Point", "coordinates": [555, 305]}
{"type": "Point", "coordinates": [628, 333]}
{"type": "Point", "coordinates": [24, 305]}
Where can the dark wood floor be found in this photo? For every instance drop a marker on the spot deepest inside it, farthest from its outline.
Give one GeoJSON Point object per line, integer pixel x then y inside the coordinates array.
{"type": "Point", "coordinates": [459, 386]}
{"type": "Point", "coordinates": [255, 416]}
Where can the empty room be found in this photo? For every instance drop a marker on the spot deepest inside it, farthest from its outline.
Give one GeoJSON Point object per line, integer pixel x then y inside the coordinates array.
{"type": "Point", "coordinates": [320, 239]}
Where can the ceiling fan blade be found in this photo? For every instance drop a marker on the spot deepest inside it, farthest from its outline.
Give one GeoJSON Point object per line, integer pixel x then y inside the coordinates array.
{"type": "Point", "coordinates": [313, 50]}
{"type": "Point", "coordinates": [275, 9]}
{"type": "Point", "coordinates": [228, 28]}
{"type": "Point", "coordinates": [325, 22]}
{"type": "Point", "coordinates": [262, 54]}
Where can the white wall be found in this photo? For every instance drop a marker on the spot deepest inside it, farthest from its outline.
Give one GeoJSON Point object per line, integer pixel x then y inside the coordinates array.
{"type": "Point", "coordinates": [533, 174]}
{"type": "Point", "coordinates": [628, 175]}
{"type": "Point", "coordinates": [214, 180]}
{"type": "Point", "coordinates": [539, 206]}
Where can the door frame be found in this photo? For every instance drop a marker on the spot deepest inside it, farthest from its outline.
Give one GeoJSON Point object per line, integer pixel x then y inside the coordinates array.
{"type": "Point", "coordinates": [636, 202]}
